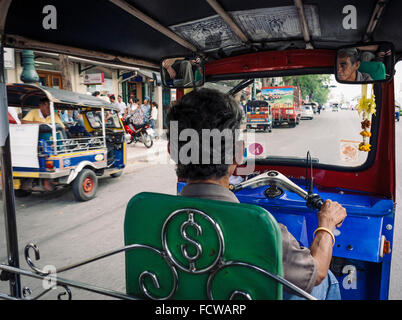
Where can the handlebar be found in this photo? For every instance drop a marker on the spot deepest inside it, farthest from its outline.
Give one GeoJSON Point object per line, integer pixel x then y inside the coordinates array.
{"type": "Point", "coordinates": [275, 178]}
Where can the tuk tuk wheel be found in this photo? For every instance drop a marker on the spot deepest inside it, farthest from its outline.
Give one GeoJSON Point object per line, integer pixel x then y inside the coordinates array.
{"type": "Point", "coordinates": [85, 185]}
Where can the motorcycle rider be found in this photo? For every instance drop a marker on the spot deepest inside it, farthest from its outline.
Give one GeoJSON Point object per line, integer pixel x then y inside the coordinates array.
{"type": "Point", "coordinates": [137, 119]}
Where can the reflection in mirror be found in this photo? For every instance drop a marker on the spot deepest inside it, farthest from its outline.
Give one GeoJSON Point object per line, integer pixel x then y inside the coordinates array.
{"type": "Point", "coordinates": [182, 72]}
{"type": "Point", "coordinates": [365, 64]}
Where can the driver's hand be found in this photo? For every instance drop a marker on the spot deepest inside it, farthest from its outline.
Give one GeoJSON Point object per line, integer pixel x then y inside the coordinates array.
{"type": "Point", "coordinates": [331, 215]}
{"type": "Point", "coordinates": [172, 72]}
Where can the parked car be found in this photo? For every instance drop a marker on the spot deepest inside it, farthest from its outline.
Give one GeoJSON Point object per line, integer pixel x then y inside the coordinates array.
{"type": "Point", "coordinates": [307, 112]}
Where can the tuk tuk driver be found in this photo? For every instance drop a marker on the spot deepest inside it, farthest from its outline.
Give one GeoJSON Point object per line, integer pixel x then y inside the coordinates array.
{"type": "Point", "coordinates": [42, 115]}
{"type": "Point", "coordinates": [348, 63]}
{"type": "Point", "coordinates": [307, 268]}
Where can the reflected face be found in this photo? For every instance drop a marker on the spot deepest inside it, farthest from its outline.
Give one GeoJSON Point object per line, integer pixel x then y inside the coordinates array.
{"type": "Point", "coordinates": [347, 70]}
{"type": "Point", "coordinates": [45, 109]}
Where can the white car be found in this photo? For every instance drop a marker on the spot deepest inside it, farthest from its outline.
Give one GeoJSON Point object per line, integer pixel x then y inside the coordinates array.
{"type": "Point", "coordinates": [307, 112]}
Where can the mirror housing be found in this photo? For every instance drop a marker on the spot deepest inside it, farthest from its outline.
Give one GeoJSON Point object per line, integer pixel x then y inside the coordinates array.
{"type": "Point", "coordinates": [365, 63]}
{"type": "Point", "coordinates": [182, 72]}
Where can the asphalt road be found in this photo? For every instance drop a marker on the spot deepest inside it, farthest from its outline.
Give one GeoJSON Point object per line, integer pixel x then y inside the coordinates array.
{"type": "Point", "coordinates": [67, 232]}
{"type": "Point", "coordinates": [323, 136]}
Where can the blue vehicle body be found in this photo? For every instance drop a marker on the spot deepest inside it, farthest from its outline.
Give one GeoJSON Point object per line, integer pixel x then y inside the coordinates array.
{"type": "Point", "coordinates": [357, 263]}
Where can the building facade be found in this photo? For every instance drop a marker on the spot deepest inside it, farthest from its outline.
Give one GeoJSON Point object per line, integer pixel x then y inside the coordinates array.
{"type": "Point", "coordinates": [87, 76]}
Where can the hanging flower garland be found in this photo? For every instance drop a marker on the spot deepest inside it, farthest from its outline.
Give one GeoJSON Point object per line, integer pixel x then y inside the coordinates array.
{"type": "Point", "coordinates": [367, 108]}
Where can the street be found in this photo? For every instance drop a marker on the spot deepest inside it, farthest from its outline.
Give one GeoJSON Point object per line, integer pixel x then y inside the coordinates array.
{"type": "Point", "coordinates": [322, 136]}
{"type": "Point", "coordinates": [67, 232]}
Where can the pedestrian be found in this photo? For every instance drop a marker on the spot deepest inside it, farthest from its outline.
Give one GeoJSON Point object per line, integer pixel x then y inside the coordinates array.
{"type": "Point", "coordinates": [146, 110]}
{"type": "Point", "coordinates": [134, 105]}
{"type": "Point", "coordinates": [154, 117]}
{"type": "Point", "coordinates": [121, 105]}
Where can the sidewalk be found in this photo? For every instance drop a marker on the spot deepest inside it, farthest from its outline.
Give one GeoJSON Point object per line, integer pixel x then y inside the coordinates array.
{"type": "Point", "coordinates": [137, 152]}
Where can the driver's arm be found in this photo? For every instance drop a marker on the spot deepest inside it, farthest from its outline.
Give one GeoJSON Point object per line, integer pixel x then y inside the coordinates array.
{"type": "Point", "coordinates": [330, 216]}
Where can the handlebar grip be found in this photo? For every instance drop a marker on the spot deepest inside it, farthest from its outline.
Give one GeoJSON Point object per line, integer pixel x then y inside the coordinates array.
{"type": "Point", "coordinates": [314, 201]}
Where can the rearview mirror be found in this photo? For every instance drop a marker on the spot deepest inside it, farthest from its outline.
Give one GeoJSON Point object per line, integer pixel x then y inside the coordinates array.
{"type": "Point", "coordinates": [182, 72]}
{"type": "Point", "coordinates": [366, 63]}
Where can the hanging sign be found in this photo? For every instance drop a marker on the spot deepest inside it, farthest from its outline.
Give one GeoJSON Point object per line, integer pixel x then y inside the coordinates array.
{"type": "Point", "coordinates": [9, 61]}
{"type": "Point", "coordinates": [94, 78]}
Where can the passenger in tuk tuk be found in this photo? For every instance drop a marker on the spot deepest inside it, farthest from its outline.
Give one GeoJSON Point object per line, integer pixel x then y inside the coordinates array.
{"type": "Point", "coordinates": [307, 268]}
{"type": "Point", "coordinates": [42, 115]}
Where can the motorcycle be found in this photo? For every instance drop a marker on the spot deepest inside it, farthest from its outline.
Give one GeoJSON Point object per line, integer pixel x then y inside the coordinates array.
{"type": "Point", "coordinates": [143, 134]}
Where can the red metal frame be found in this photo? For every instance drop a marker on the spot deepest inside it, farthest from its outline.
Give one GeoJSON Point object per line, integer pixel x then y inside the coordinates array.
{"type": "Point", "coordinates": [271, 61]}
{"type": "Point", "coordinates": [377, 179]}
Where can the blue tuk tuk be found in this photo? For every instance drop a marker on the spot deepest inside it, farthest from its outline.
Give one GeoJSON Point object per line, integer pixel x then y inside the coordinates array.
{"type": "Point", "coordinates": [51, 155]}
{"type": "Point", "coordinates": [258, 115]}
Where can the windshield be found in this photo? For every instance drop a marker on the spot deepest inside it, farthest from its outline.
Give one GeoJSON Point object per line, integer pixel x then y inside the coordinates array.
{"type": "Point", "coordinates": [111, 119]}
{"type": "Point", "coordinates": [331, 134]}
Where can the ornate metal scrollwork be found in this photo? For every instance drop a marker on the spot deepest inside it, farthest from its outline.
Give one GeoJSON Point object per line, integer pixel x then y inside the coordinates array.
{"type": "Point", "coordinates": [26, 293]}
{"type": "Point", "coordinates": [277, 278]}
{"type": "Point", "coordinates": [190, 222]}
{"type": "Point", "coordinates": [37, 257]}
{"type": "Point", "coordinates": [240, 293]}
{"type": "Point", "coordinates": [155, 279]}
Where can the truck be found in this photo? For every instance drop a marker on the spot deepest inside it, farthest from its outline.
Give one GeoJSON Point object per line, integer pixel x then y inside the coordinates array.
{"type": "Point", "coordinates": [285, 104]}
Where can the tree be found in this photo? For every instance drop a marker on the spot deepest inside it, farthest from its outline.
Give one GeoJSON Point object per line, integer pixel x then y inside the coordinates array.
{"type": "Point", "coordinates": [311, 85]}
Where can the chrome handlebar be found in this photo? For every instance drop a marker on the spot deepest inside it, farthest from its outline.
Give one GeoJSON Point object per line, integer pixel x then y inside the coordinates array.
{"type": "Point", "coordinates": [275, 178]}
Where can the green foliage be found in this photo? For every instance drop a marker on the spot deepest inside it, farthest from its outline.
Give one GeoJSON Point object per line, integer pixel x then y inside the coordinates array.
{"type": "Point", "coordinates": [313, 85]}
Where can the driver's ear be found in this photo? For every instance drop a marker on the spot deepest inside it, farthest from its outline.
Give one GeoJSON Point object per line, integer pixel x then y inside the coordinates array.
{"type": "Point", "coordinates": [358, 64]}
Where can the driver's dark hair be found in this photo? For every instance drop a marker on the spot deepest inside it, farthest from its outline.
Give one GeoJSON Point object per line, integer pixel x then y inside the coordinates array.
{"type": "Point", "coordinates": [352, 53]}
{"type": "Point", "coordinates": [204, 109]}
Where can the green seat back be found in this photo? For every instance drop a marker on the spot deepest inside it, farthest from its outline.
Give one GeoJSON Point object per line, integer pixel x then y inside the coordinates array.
{"type": "Point", "coordinates": [213, 248]}
{"type": "Point", "coordinates": [375, 69]}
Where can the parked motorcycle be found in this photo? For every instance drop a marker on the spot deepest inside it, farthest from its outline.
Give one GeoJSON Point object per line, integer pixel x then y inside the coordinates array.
{"type": "Point", "coordinates": [143, 134]}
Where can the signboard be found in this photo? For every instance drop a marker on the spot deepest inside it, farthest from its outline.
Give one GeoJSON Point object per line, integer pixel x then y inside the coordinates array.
{"type": "Point", "coordinates": [278, 97]}
{"type": "Point", "coordinates": [94, 78]}
{"type": "Point", "coordinates": [9, 61]}
{"type": "Point", "coordinates": [24, 145]}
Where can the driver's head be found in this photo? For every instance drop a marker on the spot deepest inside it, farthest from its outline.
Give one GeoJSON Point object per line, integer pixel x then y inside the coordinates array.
{"type": "Point", "coordinates": [44, 106]}
{"type": "Point", "coordinates": [347, 64]}
{"type": "Point", "coordinates": [203, 129]}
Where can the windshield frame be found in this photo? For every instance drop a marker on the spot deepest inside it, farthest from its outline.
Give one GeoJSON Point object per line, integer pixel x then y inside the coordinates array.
{"type": "Point", "coordinates": [294, 161]}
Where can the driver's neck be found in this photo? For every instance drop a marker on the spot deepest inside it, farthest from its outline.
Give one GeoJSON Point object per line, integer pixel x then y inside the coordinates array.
{"type": "Point", "coordinates": [353, 76]}
{"type": "Point", "coordinates": [224, 181]}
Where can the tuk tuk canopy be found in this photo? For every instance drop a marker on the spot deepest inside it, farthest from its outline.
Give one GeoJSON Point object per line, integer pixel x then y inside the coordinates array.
{"type": "Point", "coordinates": [140, 33]}
{"type": "Point", "coordinates": [24, 95]}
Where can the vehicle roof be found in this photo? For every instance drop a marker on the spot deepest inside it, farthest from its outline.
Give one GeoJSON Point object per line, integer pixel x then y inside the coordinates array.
{"type": "Point", "coordinates": [140, 33]}
{"type": "Point", "coordinates": [28, 95]}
